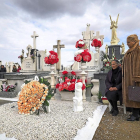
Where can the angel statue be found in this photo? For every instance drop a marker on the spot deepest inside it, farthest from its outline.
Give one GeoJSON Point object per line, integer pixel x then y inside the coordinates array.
{"type": "Point", "coordinates": [123, 48]}
{"type": "Point", "coordinates": [114, 39]}
{"type": "Point", "coordinates": [22, 52]}
{"type": "Point", "coordinates": [106, 49]}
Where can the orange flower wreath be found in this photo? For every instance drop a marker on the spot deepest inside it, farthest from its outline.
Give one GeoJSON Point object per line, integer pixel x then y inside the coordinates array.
{"type": "Point", "coordinates": [31, 97]}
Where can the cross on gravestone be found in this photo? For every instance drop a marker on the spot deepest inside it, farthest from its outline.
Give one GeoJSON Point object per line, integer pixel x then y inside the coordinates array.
{"type": "Point", "coordinates": [98, 36]}
{"type": "Point", "coordinates": [39, 60]}
{"type": "Point", "coordinates": [34, 39]}
{"type": "Point", "coordinates": [88, 35]}
{"type": "Point", "coordinates": [58, 46]}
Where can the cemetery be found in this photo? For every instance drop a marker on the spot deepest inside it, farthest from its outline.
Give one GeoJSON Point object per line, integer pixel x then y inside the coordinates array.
{"type": "Point", "coordinates": [47, 101]}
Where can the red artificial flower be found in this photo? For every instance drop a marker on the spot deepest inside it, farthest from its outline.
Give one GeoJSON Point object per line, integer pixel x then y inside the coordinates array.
{"type": "Point", "coordinates": [79, 80]}
{"type": "Point", "coordinates": [96, 43]}
{"type": "Point", "coordinates": [83, 87]}
{"type": "Point", "coordinates": [86, 56]}
{"type": "Point", "coordinates": [53, 53]}
{"type": "Point", "coordinates": [65, 85]}
{"type": "Point", "coordinates": [64, 72]}
{"type": "Point", "coordinates": [61, 87]}
{"type": "Point", "coordinates": [57, 85]}
{"type": "Point", "coordinates": [73, 73]}
{"type": "Point", "coordinates": [99, 43]}
{"type": "Point", "coordinates": [7, 88]}
{"type": "Point", "coordinates": [79, 45]}
{"type": "Point", "coordinates": [46, 59]}
{"type": "Point", "coordinates": [67, 79]}
{"type": "Point", "coordinates": [85, 80]}
{"type": "Point", "coordinates": [71, 87]}
{"type": "Point", "coordinates": [73, 80]}
{"type": "Point", "coordinates": [78, 58]}
{"type": "Point", "coordinates": [52, 59]}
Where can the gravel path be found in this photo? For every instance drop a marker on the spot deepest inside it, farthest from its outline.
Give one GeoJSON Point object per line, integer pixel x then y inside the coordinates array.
{"type": "Point", "coordinates": [61, 124]}
{"type": "Point", "coordinates": [117, 128]}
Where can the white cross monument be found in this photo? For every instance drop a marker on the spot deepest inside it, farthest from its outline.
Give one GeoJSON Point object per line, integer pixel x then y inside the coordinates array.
{"type": "Point", "coordinates": [34, 39]}
{"type": "Point", "coordinates": [87, 36]}
{"type": "Point", "coordinates": [58, 46]}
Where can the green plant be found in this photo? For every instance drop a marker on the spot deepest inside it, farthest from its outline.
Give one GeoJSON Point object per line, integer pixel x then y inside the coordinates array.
{"type": "Point", "coordinates": [99, 95]}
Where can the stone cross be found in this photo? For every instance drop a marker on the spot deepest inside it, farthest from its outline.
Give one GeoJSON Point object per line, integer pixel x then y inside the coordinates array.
{"type": "Point", "coordinates": [87, 36]}
{"type": "Point", "coordinates": [34, 39]}
{"type": "Point", "coordinates": [58, 46]}
{"type": "Point", "coordinates": [98, 36]}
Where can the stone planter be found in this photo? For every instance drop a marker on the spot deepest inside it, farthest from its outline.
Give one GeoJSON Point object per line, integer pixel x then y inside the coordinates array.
{"type": "Point", "coordinates": [67, 95]}
{"type": "Point", "coordinates": [8, 94]}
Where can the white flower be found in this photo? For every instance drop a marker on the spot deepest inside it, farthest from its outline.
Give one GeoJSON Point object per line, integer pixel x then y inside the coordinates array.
{"type": "Point", "coordinates": [105, 60]}
{"type": "Point", "coordinates": [47, 54]}
{"type": "Point", "coordinates": [78, 52]}
{"type": "Point", "coordinates": [81, 42]}
{"type": "Point", "coordinates": [107, 64]}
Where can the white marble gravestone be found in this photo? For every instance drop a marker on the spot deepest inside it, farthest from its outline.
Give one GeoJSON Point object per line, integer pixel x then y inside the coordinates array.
{"type": "Point", "coordinates": [41, 66]}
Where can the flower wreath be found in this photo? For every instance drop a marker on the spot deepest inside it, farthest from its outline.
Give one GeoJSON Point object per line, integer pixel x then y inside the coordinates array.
{"type": "Point", "coordinates": [31, 97]}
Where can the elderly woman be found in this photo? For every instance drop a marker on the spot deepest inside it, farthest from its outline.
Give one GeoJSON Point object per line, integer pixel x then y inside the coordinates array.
{"type": "Point", "coordinates": [131, 69]}
{"type": "Point", "coordinates": [114, 86]}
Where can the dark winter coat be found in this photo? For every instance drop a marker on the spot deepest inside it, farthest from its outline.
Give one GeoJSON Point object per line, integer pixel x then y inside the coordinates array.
{"type": "Point", "coordinates": [109, 84]}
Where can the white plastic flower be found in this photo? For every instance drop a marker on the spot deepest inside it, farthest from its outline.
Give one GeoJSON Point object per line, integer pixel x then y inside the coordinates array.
{"type": "Point", "coordinates": [81, 42]}
{"type": "Point", "coordinates": [47, 54]}
{"type": "Point", "coordinates": [78, 52]}
{"type": "Point", "coordinates": [105, 60]}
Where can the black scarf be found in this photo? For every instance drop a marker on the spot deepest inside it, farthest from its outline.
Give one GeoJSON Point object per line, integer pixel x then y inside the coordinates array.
{"type": "Point", "coordinates": [114, 75]}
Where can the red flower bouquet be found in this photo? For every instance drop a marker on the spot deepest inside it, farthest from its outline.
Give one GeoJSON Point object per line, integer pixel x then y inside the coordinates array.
{"type": "Point", "coordinates": [96, 43]}
{"type": "Point", "coordinates": [52, 58]}
{"type": "Point", "coordinates": [80, 44]}
{"type": "Point", "coordinates": [84, 56]}
{"type": "Point", "coordinates": [67, 83]}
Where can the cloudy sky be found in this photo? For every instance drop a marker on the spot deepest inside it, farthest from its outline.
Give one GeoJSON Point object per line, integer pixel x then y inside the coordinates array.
{"type": "Point", "coordinates": [63, 20]}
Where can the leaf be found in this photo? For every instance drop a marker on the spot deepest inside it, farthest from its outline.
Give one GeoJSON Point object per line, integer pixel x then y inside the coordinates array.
{"type": "Point", "coordinates": [46, 103]}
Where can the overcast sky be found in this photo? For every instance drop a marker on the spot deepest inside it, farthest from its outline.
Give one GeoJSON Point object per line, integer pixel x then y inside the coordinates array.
{"type": "Point", "coordinates": [63, 20]}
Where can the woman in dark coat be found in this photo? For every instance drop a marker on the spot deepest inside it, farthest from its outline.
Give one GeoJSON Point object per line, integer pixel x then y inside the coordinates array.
{"type": "Point", "coordinates": [113, 83]}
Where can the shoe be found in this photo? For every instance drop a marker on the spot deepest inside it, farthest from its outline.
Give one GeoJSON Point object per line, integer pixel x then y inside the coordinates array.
{"type": "Point", "coordinates": [115, 113]}
{"type": "Point", "coordinates": [112, 110]}
{"type": "Point", "coordinates": [133, 118]}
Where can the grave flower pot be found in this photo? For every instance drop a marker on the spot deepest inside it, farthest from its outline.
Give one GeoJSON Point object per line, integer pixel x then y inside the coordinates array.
{"type": "Point", "coordinates": [8, 94]}
{"type": "Point", "coordinates": [66, 95]}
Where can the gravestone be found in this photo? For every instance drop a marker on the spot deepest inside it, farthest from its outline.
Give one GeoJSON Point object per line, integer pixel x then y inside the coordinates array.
{"type": "Point", "coordinates": [41, 66]}
{"type": "Point", "coordinates": [58, 46]}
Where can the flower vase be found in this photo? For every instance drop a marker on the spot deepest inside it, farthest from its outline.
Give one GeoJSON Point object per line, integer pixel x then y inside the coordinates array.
{"type": "Point", "coordinates": [52, 68]}
{"type": "Point", "coordinates": [106, 70]}
{"type": "Point", "coordinates": [97, 49]}
{"type": "Point", "coordinates": [83, 66]}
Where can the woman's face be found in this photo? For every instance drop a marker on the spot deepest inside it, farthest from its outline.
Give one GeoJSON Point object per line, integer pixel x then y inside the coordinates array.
{"type": "Point", "coordinates": [130, 43]}
{"type": "Point", "coordinates": [114, 65]}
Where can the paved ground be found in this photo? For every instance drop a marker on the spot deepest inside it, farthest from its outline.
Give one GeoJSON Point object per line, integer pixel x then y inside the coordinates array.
{"type": "Point", "coordinates": [117, 128]}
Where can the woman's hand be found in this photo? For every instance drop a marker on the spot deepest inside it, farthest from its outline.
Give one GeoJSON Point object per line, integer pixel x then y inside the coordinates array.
{"type": "Point", "coordinates": [112, 88]}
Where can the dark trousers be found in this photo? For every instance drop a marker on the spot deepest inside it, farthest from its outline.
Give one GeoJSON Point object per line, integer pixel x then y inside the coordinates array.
{"type": "Point", "coordinates": [135, 112]}
{"type": "Point", "coordinates": [113, 104]}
